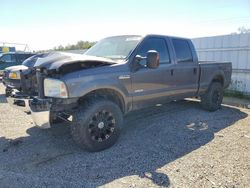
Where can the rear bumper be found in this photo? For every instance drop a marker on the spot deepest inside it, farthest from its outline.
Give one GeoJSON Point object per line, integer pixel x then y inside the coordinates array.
{"type": "Point", "coordinates": [39, 108]}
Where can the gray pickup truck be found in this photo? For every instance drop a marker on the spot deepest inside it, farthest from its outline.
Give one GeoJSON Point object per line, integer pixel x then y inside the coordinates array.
{"type": "Point", "coordinates": [117, 75]}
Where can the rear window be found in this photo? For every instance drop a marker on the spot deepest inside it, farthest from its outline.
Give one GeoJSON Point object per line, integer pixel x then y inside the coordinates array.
{"type": "Point", "coordinates": [182, 50]}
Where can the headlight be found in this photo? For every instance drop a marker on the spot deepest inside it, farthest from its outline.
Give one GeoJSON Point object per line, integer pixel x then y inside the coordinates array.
{"type": "Point", "coordinates": [14, 75]}
{"type": "Point", "coordinates": [55, 88]}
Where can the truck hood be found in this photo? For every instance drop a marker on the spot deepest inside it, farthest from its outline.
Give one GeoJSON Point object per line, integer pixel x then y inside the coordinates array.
{"type": "Point", "coordinates": [16, 68]}
{"type": "Point", "coordinates": [68, 62]}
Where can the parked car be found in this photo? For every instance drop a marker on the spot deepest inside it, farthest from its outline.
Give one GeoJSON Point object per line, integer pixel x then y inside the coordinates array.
{"type": "Point", "coordinates": [12, 77]}
{"type": "Point", "coordinates": [12, 59]}
{"type": "Point", "coordinates": [116, 76]}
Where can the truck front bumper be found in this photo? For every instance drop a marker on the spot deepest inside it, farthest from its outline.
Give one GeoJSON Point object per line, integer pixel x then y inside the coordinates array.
{"type": "Point", "coordinates": [40, 112]}
{"type": "Point", "coordinates": [39, 108]}
{"type": "Point", "coordinates": [17, 100]}
{"type": "Point", "coordinates": [11, 83]}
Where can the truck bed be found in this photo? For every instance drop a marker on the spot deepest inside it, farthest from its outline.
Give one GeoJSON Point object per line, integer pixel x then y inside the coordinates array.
{"type": "Point", "coordinates": [209, 69]}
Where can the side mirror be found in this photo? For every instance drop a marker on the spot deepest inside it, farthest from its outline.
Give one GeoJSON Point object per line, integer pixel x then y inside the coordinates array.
{"type": "Point", "coordinates": [138, 58]}
{"type": "Point", "coordinates": [153, 59]}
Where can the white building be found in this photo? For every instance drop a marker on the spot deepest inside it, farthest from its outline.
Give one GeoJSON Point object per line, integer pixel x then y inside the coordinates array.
{"type": "Point", "coordinates": [234, 48]}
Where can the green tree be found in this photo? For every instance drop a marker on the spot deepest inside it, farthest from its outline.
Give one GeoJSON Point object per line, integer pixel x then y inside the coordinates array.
{"type": "Point", "coordinates": [78, 46]}
{"type": "Point", "coordinates": [243, 30]}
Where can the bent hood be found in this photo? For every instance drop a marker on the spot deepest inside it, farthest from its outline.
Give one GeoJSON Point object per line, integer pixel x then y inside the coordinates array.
{"type": "Point", "coordinates": [57, 60]}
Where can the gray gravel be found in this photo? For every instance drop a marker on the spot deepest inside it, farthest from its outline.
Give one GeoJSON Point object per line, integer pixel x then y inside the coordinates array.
{"type": "Point", "coordinates": [175, 145]}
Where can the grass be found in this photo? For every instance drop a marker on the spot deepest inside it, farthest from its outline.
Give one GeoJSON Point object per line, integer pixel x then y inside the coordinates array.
{"type": "Point", "coordinates": [236, 94]}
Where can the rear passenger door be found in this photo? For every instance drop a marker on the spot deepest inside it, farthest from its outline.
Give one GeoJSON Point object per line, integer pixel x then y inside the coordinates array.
{"type": "Point", "coordinates": [185, 73]}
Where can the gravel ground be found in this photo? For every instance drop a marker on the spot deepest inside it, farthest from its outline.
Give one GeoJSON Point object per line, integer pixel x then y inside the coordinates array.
{"type": "Point", "coordinates": [175, 145]}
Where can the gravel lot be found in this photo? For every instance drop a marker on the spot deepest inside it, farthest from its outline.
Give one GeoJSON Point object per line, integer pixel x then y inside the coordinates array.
{"type": "Point", "coordinates": [175, 145]}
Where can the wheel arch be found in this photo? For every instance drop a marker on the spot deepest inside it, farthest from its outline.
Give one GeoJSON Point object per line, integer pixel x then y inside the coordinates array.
{"type": "Point", "coordinates": [218, 78]}
{"type": "Point", "coordinates": [106, 93]}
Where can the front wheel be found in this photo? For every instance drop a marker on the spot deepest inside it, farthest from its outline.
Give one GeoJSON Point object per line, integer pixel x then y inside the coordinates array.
{"type": "Point", "coordinates": [96, 124]}
{"type": "Point", "coordinates": [213, 97]}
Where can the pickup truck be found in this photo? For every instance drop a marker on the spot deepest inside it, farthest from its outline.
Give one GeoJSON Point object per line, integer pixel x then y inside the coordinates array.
{"type": "Point", "coordinates": [12, 59]}
{"type": "Point", "coordinates": [117, 75]}
{"type": "Point", "coordinates": [12, 77]}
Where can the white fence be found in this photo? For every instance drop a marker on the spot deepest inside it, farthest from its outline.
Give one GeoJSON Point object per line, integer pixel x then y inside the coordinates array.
{"type": "Point", "coordinates": [233, 48]}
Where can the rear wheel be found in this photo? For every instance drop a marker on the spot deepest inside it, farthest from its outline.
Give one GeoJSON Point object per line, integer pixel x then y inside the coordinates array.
{"type": "Point", "coordinates": [213, 97]}
{"type": "Point", "coordinates": [96, 124]}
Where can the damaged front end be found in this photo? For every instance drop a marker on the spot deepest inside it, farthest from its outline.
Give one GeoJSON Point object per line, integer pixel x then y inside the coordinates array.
{"type": "Point", "coordinates": [34, 97]}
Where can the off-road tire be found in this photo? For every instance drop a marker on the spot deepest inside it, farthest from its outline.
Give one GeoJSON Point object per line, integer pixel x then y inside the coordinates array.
{"type": "Point", "coordinates": [213, 97]}
{"type": "Point", "coordinates": [85, 128]}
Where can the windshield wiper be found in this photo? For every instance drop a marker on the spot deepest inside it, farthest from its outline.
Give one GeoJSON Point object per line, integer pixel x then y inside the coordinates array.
{"type": "Point", "coordinates": [116, 57]}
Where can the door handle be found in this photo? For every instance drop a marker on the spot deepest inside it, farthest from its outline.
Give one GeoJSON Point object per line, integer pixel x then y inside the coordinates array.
{"type": "Point", "coordinates": [195, 70]}
{"type": "Point", "coordinates": [172, 72]}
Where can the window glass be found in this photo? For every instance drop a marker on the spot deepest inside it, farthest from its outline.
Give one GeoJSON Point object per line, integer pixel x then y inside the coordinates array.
{"type": "Point", "coordinates": [157, 44]}
{"type": "Point", "coordinates": [22, 57]}
{"type": "Point", "coordinates": [182, 50]}
{"type": "Point", "coordinates": [115, 48]}
{"type": "Point", "coordinates": [6, 58]}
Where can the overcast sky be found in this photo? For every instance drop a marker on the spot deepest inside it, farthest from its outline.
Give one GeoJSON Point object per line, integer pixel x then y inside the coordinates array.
{"type": "Point", "coordinates": [44, 24]}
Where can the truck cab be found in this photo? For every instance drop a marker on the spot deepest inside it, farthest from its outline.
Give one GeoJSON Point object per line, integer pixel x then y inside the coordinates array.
{"type": "Point", "coordinates": [177, 75]}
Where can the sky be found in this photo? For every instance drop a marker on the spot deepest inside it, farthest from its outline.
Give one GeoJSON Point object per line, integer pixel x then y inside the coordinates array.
{"type": "Point", "coordinates": [44, 24]}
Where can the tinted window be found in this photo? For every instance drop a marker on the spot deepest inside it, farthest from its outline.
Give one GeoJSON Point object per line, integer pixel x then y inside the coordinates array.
{"type": "Point", "coordinates": [182, 50]}
{"type": "Point", "coordinates": [157, 44]}
{"type": "Point", "coordinates": [22, 57]}
{"type": "Point", "coordinates": [7, 58]}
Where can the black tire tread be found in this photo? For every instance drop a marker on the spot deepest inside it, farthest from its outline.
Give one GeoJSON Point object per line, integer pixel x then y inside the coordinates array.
{"type": "Point", "coordinates": [206, 99]}
{"type": "Point", "coordinates": [82, 114]}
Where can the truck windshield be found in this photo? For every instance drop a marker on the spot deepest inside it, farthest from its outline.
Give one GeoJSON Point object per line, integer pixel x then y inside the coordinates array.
{"type": "Point", "coordinates": [115, 48]}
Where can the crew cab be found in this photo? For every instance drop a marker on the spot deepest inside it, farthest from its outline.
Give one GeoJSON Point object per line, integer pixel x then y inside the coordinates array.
{"type": "Point", "coordinates": [117, 75]}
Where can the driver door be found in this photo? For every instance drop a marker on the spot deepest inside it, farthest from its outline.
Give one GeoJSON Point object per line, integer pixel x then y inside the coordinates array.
{"type": "Point", "coordinates": [149, 86]}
